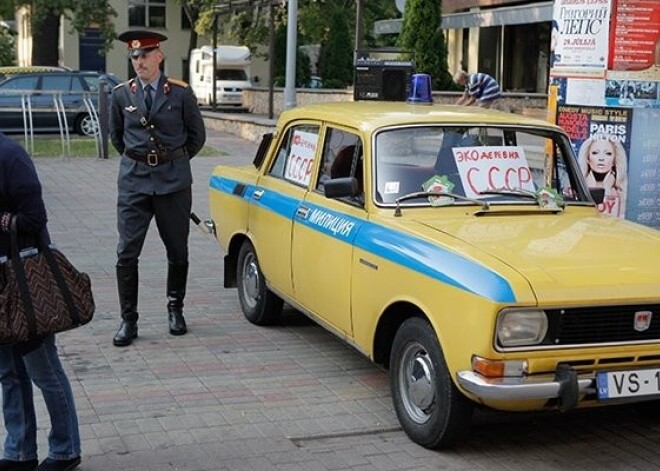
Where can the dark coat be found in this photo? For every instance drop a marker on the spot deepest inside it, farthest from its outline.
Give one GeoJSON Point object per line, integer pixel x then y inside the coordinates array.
{"type": "Point", "coordinates": [20, 194]}
{"type": "Point", "coordinates": [177, 123]}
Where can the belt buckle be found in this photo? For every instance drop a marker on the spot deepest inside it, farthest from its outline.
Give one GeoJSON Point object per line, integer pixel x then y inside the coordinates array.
{"type": "Point", "coordinates": [152, 159]}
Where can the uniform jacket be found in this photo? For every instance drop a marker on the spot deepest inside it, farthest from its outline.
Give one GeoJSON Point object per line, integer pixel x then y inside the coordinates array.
{"type": "Point", "coordinates": [177, 122]}
{"type": "Point", "coordinates": [20, 195]}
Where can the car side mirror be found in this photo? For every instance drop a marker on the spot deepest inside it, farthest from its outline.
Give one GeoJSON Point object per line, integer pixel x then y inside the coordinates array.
{"type": "Point", "coordinates": [340, 187]}
{"type": "Point", "coordinates": [597, 194]}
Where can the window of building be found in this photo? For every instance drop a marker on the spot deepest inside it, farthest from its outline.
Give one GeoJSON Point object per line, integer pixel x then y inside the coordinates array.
{"type": "Point", "coordinates": [146, 13]}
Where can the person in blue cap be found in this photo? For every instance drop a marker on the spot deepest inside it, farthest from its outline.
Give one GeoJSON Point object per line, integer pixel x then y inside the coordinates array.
{"type": "Point", "coordinates": [157, 127]}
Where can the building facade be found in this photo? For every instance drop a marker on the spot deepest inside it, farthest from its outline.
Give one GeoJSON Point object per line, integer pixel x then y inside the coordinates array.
{"type": "Point", "coordinates": [508, 39]}
{"type": "Point", "coordinates": [81, 50]}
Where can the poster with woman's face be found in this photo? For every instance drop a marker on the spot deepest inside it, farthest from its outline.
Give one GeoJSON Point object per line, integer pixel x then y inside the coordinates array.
{"type": "Point", "coordinates": [601, 140]}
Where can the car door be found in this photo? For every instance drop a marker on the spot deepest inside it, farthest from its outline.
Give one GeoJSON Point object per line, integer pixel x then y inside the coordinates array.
{"type": "Point", "coordinates": [275, 201]}
{"type": "Point", "coordinates": [324, 231]}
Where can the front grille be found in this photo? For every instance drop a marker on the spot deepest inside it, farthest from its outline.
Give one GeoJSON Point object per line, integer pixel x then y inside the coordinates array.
{"type": "Point", "coordinates": [602, 324]}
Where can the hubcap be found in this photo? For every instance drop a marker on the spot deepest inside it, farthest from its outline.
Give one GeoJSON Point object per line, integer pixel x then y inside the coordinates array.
{"type": "Point", "coordinates": [88, 126]}
{"type": "Point", "coordinates": [416, 383]}
{"type": "Point", "coordinates": [251, 280]}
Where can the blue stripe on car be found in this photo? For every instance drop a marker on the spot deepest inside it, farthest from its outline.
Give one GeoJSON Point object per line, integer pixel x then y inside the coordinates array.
{"type": "Point", "coordinates": [411, 252]}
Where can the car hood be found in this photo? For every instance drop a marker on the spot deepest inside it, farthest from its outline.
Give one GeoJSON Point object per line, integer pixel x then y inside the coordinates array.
{"type": "Point", "coordinates": [565, 258]}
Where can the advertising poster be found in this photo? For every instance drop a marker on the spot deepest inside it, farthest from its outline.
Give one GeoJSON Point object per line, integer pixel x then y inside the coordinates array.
{"type": "Point", "coordinates": [644, 171]}
{"type": "Point", "coordinates": [580, 35]}
{"type": "Point", "coordinates": [601, 139]}
{"type": "Point", "coordinates": [635, 36]}
{"type": "Point", "coordinates": [633, 78]}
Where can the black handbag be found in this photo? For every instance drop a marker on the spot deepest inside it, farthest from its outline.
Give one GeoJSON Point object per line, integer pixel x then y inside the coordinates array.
{"type": "Point", "coordinates": [41, 293]}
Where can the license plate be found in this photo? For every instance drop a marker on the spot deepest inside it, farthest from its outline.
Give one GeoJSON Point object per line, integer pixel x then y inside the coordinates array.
{"type": "Point", "coordinates": [626, 384]}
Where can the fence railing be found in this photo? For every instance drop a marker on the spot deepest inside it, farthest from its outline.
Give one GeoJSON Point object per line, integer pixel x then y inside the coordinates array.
{"type": "Point", "coordinates": [92, 107]}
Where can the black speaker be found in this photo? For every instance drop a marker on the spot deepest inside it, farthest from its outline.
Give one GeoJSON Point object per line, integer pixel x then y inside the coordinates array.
{"type": "Point", "coordinates": [382, 80]}
{"type": "Point", "coordinates": [395, 84]}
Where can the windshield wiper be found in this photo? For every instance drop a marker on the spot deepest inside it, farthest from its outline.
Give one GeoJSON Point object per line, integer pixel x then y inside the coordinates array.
{"type": "Point", "coordinates": [422, 194]}
{"type": "Point", "coordinates": [510, 192]}
{"type": "Point", "coordinates": [519, 192]}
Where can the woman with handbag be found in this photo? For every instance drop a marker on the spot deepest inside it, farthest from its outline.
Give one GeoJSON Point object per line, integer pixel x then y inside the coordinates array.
{"type": "Point", "coordinates": [37, 360]}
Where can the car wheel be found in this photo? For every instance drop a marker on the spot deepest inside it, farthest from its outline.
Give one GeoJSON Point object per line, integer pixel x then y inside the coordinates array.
{"type": "Point", "coordinates": [431, 410]}
{"type": "Point", "coordinates": [86, 126]}
{"type": "Point", "coordinates": [260, 305]}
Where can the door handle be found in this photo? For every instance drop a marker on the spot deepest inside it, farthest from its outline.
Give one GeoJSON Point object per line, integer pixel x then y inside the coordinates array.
{"type": "Point", "coordinates": [302, 212]}
{"type": "Point", "coordinates": [257, 194]}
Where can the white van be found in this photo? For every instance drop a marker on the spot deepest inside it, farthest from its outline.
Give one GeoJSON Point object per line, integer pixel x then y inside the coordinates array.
{"type": "Point", "coordinates": [232, 74]}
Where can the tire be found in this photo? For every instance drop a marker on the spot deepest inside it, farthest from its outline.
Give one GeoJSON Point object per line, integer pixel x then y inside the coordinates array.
{"type": "Point", "coordinates": [431, 410]}
{"type": "Point", "coordinates": [85, 125]}
{"type": "Point", "coordinates": [260, 305]}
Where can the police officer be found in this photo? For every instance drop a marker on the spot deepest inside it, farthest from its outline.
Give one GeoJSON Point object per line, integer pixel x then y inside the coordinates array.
{"type": "Point", "coordinates": [156, 126]}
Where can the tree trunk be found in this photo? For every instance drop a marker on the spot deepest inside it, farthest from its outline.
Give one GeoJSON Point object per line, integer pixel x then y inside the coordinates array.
{"type": "Point", "coordinates": [45, 41]}
{"type": "Point", "coordinates": [193, 16]}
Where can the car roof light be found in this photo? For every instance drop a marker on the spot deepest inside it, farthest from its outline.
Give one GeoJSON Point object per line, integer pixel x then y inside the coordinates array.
{"type": "Point", "coordinates": [420, 89]}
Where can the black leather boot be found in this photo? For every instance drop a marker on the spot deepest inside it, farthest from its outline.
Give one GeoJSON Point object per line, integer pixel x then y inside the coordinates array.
{"type": "Point", "coordinates": [177, 275]}
{"type": "Point", "coordinates": [127, 286]}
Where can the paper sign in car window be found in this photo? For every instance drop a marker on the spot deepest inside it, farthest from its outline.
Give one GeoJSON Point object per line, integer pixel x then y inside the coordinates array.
{"type": "Point", "coordinates": [300, 164]}
{"type": "Point", "coordinates": [492, 168]}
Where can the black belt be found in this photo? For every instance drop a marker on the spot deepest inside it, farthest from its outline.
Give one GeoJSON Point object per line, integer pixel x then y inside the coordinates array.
{"type": "Point", "coordinates": [156, 158]}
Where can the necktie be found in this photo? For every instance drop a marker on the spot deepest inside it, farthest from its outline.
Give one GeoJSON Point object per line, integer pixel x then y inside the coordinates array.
{"type": "Point", "coordinates": [147, 96]}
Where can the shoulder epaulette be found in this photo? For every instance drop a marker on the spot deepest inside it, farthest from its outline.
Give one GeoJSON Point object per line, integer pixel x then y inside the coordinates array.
{"type": "Point", "coordinates": [119, 86]}
{"type": "Point", "coordinates": [179, 83]}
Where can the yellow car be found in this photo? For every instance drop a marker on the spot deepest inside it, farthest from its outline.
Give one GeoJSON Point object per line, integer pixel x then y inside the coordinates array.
{"type": "Point", "coordinates": [460, 248]}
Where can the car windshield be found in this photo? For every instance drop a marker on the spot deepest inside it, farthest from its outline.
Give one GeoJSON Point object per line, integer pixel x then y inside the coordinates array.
{"type": "Point", "coordinates": [497, 165]}
{"type": "Point", "coordinates": [231, 74]}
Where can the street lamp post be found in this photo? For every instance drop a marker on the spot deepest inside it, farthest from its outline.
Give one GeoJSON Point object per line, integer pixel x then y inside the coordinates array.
{"type": "Point", "coordinates": [291, 49]}
{"type": "Point", "coordinates": [215, 54]}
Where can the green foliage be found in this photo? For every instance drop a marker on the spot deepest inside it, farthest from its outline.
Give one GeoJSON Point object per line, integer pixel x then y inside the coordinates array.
{"type": "Point", "coordinates": [336, 56]}
{"type": "Point", "coordinates": [421, 33]}
{"type": "Point", "coordinates": [303, 66]}
{"type": "Point", "coordinates": [317, 24]}
{"type": "Point", "coordinates": [81, 13]}
{"type": "Point", "coordinates": [7, 47]}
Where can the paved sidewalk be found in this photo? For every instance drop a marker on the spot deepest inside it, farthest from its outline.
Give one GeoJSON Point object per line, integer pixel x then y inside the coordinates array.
{"type": "Point", "coordinates": [233, 396]}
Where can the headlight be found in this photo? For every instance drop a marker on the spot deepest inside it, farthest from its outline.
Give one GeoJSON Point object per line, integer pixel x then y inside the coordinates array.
{"type": "Point", "coordinates": [516, 328]}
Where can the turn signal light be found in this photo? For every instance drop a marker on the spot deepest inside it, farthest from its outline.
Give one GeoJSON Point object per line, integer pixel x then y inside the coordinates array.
{"type": "Point", "coordinates": [498, 368]}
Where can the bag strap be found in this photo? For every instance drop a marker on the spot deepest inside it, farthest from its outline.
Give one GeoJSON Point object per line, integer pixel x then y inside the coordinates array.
{"type": "Point", "coordinates": [19, 272]}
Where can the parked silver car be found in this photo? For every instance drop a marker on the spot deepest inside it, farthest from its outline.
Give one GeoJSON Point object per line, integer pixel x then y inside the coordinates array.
{"type": "Point", "coordinates": [41, 101]}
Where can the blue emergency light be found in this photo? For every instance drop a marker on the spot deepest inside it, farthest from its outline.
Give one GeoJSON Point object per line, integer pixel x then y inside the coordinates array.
{"type": "Point", "coordinates": [420, 89]}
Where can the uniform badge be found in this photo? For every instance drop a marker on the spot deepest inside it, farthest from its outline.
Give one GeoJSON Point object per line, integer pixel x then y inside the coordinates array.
{"type": "Point", "coordinates": [135, 43]}
{"type": "Point", "coordinates": [130, 109]}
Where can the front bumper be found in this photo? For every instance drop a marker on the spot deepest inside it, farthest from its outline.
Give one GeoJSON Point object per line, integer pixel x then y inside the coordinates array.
{"type": "Point", "coordinates": [564, 386]}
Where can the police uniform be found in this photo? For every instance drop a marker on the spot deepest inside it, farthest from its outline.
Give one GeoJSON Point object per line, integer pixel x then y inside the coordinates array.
{"type": "Point", "coordinates": [155, 178]}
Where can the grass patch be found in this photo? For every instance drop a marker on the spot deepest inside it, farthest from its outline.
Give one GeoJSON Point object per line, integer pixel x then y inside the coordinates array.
{"type": "Point", "coordinates": [86, 147]}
